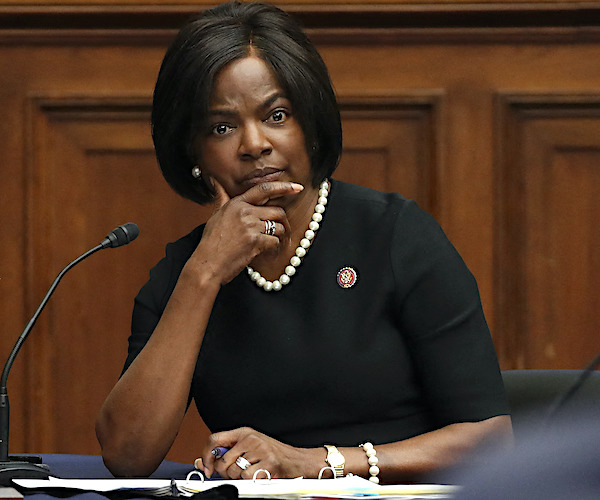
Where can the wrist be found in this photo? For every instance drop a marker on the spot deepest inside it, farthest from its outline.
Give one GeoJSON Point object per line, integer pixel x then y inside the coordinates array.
{"type": "Point", "coordinates": [315, 462]}
{"type": "Point", "coordinates": [335, 459]}
{"type": "Point", "coordinates": [199, 275]}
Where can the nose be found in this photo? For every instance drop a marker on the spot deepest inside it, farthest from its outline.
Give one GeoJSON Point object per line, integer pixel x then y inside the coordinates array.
{"type": "Point", "coordinates": [254, 143]}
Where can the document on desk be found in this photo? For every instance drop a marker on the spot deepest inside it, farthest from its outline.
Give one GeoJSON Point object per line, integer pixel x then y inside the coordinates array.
{"type": "Point", "coordinates": [349, 487]}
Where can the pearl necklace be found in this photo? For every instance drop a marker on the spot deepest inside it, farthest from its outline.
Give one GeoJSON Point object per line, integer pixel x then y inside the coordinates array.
{"type": "Point", "coordinates": [301, 251]}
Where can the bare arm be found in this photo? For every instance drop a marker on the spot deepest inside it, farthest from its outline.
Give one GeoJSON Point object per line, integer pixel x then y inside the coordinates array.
{"type": "Point", "coordinates": [142, 415]}
{"type": "Point", "coordinates": [402, 461]}
{"type": "Point", "coordinates": [409, 460]}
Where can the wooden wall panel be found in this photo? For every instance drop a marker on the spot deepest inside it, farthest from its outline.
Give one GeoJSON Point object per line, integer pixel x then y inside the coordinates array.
{"type": "Point", "coordinates": [94, 166]}
{"type": "Point", "coordinates": [547, 260]}
{"type": "Point", "coordinates": [487, 114]}
{"type": "Point", "coordinates": [391, 144]}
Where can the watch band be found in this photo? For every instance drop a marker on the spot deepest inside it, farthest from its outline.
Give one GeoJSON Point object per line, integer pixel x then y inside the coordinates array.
{"type": "Point", "coordinates": [335, 460]}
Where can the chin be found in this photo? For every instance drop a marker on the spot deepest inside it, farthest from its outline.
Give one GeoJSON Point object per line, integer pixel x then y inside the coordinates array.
{"type": "Point", "coordinates": [282, 202]}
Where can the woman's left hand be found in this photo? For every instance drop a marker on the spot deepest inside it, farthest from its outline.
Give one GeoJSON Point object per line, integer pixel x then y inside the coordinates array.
{"type": "Point", "coordinates": [262, 452]}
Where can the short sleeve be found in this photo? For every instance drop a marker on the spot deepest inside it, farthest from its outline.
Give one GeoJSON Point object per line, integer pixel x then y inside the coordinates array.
{"type": "Point", "coordinates": [439, 311]}
{"type": "Point", "coordinates": [152, 299]}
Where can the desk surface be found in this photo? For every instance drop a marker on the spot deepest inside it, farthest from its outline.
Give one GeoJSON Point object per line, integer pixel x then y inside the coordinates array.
{"type": "Point", "coordinates": [92, 467]}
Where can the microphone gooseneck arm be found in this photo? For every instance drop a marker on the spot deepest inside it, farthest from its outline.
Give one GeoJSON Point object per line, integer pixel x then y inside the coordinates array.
{"type": "Point", "coordinates": [4, 405]}
{"type": "Point", "coordinates": [121, 235]}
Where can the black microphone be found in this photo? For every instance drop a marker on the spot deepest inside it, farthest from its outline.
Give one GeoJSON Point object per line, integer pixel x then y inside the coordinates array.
{"type": "Point", "coordinates": [121, 235]}
{"type": "Point", "coordinates": [29, 466]}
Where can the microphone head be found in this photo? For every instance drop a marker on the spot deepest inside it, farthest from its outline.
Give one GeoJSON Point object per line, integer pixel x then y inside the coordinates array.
{"type": "Point", "coordinates": [121, 235]}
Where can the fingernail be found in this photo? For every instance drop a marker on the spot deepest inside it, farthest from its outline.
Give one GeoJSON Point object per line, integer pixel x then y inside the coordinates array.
{"type": "Point", "coordinates": [297, 187]}
{"type": "Point", "coordinates": [198, 463]}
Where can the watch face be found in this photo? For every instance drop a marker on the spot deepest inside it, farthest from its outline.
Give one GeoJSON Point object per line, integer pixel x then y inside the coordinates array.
{"type": "Point", "coordinates": [335, 459]}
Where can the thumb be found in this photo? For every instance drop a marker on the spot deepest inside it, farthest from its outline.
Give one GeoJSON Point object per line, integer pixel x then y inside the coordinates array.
{"type": "Point", "coordinates": [221, 196]}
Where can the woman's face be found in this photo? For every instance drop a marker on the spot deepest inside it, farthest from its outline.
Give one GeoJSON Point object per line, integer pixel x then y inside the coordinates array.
{"type": "Point", "coordinates": [251, 134]}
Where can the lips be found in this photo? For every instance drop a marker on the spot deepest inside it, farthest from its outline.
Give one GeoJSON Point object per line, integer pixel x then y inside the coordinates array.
{"type": "Point", "coordinates": [264, 174]}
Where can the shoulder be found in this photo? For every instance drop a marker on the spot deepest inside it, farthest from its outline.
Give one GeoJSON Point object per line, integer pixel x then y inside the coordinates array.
{"type": "Point", "coordinates": [358, 204]}
{"type": "Point", "coordinates": [361, 196]}
{"type": "Point", "coordinates": [391, 225]}
{"type": "Point", "coordinates": [355, 204]}
{"type": "Point", "coordinates": [385, 229]}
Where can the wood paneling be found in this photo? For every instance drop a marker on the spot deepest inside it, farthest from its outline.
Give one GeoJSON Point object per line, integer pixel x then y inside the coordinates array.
{"type": "Point", "coordinates": [94, 166]}
{"type": "Point", "coordinates": [548, 181]}
{"type": "Point", "coordinates": [391, 144]}
{"type": "Point", "coordinates": [487, 114]}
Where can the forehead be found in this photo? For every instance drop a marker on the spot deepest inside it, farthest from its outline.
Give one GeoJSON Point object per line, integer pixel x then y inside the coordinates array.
{"type": "Point", "coordinates": [249, 78]}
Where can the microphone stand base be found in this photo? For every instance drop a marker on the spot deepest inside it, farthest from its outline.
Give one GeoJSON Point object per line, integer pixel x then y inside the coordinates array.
{"type": "Point", "coordinates": [21, 469]}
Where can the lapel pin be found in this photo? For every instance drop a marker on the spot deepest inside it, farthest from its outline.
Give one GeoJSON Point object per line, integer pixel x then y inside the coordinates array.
{"type": "Point", "coordinates": [347, 277]}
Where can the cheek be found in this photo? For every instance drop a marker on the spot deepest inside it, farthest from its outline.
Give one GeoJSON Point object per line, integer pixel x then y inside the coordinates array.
{"type": "Point", "coordinates": [219, 162]}
{"type": "Point", "coordinates": [213, 156]}
{"type": "Point", "coordinates": [295, 144]}
{"type": "Point", "coordinates": [298, 151]}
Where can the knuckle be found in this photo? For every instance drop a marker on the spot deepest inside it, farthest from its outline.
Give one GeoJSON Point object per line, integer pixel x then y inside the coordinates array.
{"type": "Point", "coordinates": [279, 213]}
{"type": "Point", "coordinates": [212, 440]}
{"type": "Point", "coordinates": [244, 210]}
{"type": "Point", "coordinates": [253, 439]}
{"type": "Point", "coordinates": [265, 187]}
{"type": "Point", "coordinates": [255, 239]}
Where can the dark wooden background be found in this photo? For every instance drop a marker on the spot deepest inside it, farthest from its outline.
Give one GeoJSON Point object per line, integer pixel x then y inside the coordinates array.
{"type": "Point", "coordinates": [488, 114]}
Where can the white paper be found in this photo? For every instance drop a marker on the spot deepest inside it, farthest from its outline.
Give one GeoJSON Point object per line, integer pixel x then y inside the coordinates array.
{"type": "Point", "coordinates": [347, 487]}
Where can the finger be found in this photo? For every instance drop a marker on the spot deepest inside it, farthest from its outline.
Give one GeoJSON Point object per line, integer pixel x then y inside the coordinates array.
{"type": "Point", "coordinates": [221, 196]}
{"type": "Point", "coordinates": [255, 464]}
{"type": "Point", "coordinates": [226, 439]}
{"type": "Point", "coordinates": [279, 216]}
{"type": "Point", "coordinates": [278, 229]}
{"type": "Point", "coordinates": [226, 462]}
{"type": "Point", "coordinates": [237, 468]}
{"type": "Point", "coordinates": [262, 193]}
{"type": "Point", "coordinates": [208, 456]}
{"type": "Point", "coordinates": [266, 243]}
{"type": "Point", "coordinates": [240, 457]}
{"type": "Point", "coordinates": [282, 232]}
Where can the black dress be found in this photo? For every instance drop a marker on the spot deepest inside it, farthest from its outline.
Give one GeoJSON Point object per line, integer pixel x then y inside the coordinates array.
{"type": "Point", "coordinates": [404, 351]}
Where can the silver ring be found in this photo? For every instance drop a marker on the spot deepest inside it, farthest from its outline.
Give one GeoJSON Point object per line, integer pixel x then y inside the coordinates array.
{"type": "Point", "coordinates": [242, 463]}
{"type": "Point", "coordinates": [270, 228]}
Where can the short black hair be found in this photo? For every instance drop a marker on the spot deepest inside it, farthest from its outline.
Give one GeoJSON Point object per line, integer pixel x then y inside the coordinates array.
{"type": "Point", "coordinates": [204, 46]}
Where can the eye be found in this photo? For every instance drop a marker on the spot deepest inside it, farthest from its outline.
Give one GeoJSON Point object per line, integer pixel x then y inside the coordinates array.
{"type": "Point", "coordinates": [278, 116]}
{"type": "Point", "coordinates": [220, 129]}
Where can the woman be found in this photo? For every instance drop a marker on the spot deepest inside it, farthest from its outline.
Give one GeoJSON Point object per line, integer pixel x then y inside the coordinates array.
{"type": "Point", "coordinates": [306, 312]}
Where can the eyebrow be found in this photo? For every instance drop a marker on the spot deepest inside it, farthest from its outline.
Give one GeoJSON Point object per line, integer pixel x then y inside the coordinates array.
{"type": "Point", "coordinates": [266, 104]}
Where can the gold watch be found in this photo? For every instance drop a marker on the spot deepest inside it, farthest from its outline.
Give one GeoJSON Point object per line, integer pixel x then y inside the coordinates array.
{"type": "Point", "coordinates": [335, 460]}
